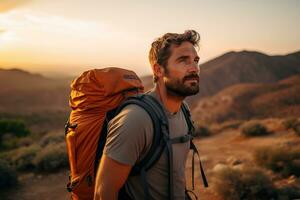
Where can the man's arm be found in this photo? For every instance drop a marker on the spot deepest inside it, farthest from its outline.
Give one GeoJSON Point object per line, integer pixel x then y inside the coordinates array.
{"type": "Point", "coordinates": [126, 140]}
{"type": "Point", "coordinates": [110, 178]}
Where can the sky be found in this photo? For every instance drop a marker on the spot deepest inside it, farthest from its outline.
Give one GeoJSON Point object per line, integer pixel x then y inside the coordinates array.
{"type": "Point", "coordinates": [66, 37]}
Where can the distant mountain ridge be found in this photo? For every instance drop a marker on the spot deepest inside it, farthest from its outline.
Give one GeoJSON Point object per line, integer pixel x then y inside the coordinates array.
{"type": "Point", "coordinates": [25, 92]}
{"type": "Point", "coordinates": [22, 92]}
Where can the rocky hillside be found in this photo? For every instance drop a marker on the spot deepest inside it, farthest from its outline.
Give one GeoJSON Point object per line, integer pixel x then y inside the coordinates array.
{"type": "Point", "coordinates": [246, 67]}
{"type": "Point", "coordinates": [252, 100]}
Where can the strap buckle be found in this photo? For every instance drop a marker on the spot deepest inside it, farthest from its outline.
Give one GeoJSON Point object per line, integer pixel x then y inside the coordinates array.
{"type": "Point", "coordinates": [69, 125]}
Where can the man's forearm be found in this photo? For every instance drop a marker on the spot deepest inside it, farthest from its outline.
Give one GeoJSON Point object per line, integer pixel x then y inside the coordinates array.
{"type": "Point", "coordinates": [110, 179]}
{"type": "Point", "coordinates": [104, 192]}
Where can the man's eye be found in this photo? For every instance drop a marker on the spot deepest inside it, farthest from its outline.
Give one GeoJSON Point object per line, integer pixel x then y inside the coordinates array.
{"type": "Point", "coordinates": [183, 60]}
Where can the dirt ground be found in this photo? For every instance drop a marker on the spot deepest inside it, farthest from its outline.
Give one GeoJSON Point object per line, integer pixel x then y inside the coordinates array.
{"type": "Point", "coordinates": [220, 148]}
{"type": "Point", "coordinates": [214, 150]}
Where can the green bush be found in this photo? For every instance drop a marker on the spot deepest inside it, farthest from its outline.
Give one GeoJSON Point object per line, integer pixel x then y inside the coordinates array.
{"type": "Point", "coordinates": [52, 158]}
{"type": "Point", "coordinates": [13, 127]}
{"type": "Point", "coordinates": [254, 128]}
{"type": "Point", "coordinates": [22, 158]}
{"type": "Point", "coordinates": [283, 160]}
{"type": "Point", "coordinates": [201, 131]}
{"type": "Point", "coordinates": [52, 138]}
{"type": "Point", "coordinates": [235, 184]}
{"type": "Point", "coordinates": [8, 175]}
{"type": "Point", "coordinates": [16, 127]}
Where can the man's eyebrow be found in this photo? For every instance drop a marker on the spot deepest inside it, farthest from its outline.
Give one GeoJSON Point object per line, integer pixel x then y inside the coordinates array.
{"type": "Point", "coordinates": [186, 57]}
{"type": "Point", "coordinates": [182, 58]}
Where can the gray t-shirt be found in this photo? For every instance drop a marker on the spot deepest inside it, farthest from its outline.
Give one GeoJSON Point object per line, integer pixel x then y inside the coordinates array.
{"type": "Point", "coordinates": [129, 138]}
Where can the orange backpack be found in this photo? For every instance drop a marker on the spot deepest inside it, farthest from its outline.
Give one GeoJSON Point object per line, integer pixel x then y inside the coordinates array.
{"type": "Point", "coordinates": [93, 94]}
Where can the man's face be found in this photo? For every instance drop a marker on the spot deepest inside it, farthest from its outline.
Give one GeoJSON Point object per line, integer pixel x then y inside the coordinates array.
{"type": "Point", "coordinates": [181, 76]}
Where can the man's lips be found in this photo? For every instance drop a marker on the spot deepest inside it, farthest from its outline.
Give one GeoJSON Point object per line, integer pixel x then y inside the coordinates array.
{"type": "Point", "coordinates": [191, 79]}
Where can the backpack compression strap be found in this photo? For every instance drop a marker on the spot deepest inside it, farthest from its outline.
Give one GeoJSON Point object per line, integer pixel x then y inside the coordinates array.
{"type": "Point", "coordinates": [193, 147]}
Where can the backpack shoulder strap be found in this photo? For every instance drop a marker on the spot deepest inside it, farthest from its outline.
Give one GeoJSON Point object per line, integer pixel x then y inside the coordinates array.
{"type": "Point", "coordinates": [159, 120]}
{"type": "Point", "coordinates": [187, 114]}
{"type": "Point", "coordinates": [191, 127]}
{"type": "Point", "coordinates": [160, 128]}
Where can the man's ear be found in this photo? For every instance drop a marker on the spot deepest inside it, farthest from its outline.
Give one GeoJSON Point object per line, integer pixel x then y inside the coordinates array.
{"type": "Point", "coordinates": [158, 70]}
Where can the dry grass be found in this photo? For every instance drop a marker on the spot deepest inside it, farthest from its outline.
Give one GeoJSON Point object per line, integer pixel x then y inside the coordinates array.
{"type": "Point", "coordinates": [51, 158]}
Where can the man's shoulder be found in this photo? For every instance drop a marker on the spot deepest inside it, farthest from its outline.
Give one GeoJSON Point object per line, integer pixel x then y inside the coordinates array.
{"type": "Point", "coordinates": [132, 114]}
{"type": "Point", "coordinates": [134, 110]}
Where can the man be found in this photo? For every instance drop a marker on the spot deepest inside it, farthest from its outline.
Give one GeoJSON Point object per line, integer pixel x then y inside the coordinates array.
{"type": "Point", "coordinates": [174, 62]}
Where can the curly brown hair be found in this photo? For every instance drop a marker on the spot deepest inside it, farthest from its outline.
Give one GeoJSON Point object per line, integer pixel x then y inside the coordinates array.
{"type": "Point", "coordinates": [160, 48]}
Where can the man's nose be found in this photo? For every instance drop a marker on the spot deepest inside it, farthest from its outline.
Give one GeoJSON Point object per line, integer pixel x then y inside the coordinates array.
{"type": "Point", "coordinates": [194, 68]}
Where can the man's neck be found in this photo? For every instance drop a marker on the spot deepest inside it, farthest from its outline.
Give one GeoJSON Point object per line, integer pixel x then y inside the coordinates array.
{"type": "Point", "coordinates": [171, 102]}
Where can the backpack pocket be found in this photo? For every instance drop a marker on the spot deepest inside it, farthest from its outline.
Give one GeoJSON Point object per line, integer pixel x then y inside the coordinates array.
{"type": "Point", "coordinates": [71, 150]}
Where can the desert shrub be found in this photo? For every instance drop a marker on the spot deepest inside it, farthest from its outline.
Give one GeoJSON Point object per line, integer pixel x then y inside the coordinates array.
{"type": "Point", "coordinates": [254, 128]}
{"type": "Point", "coordinates": [22, 158]}
{"type": "Point", "coordinates": [283, 160]}
{"type": "Point", "coordinates": [292, 123]}
{"type": "Point", "coordinates": [26, 141]}
{"type": "Point", "coordinates": [15, 128]}
{"type": "Point", "coordinates": [289, 123]}
{"type": "Point", "coordinates": [243, 183]}
{"type": "Point", "coordinates": [201, 131]}
{"type": "Point", "coordinates": [8, 175]}
{"type": "Point", "coordinates": [52, 138]}
{"type": "Point", "coordinates": [9, 141]}
{"type": "Point", "coordinates": [51, 158]}
{"type": "Point", "coordinates": [233, 124]}
{"type": "Point", "coordinates": [297, 129]}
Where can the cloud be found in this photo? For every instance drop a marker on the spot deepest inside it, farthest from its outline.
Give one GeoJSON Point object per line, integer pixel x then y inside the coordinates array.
{"type": "Point", "coordinates": [7, 5]}
{"type": "Point", "coordinates": [27, 27]}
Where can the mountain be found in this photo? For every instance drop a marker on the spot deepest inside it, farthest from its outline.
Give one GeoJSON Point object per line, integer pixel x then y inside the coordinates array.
{"type": "Point", "coordinates": [251, 100]}
{"type": "Point", "coordinates": [245, 67]}
{"type": "Point", "coordinates": [21, 91]}
{"type": "Point", "coordinates": [39, 101]}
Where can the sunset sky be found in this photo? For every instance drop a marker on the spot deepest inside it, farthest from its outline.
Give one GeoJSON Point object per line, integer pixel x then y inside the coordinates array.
{"type": "Point", "coordinates": [69, 36]}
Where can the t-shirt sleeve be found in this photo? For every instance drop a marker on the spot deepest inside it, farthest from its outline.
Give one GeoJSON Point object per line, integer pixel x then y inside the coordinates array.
{"type": "Point", "coordinates": [129, 135]}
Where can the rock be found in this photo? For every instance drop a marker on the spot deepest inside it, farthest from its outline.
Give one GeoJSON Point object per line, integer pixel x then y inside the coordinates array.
{"type": "Point", "coordinates": [39, 176]}
{"type": "Point", "coordinates": [233, 161]}
{"type": "Point", "coordinates": [219, 166]}
{"type": "Point", "coordinates": [291, 180]}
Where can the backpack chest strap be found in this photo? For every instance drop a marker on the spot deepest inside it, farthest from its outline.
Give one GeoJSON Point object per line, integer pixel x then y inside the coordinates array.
{"type": "Point", "coordinates": [181, 139]}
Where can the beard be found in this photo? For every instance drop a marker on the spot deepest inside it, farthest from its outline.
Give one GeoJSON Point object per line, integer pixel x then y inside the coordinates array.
{"type": "Point", "coordinates": [182, 87]}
